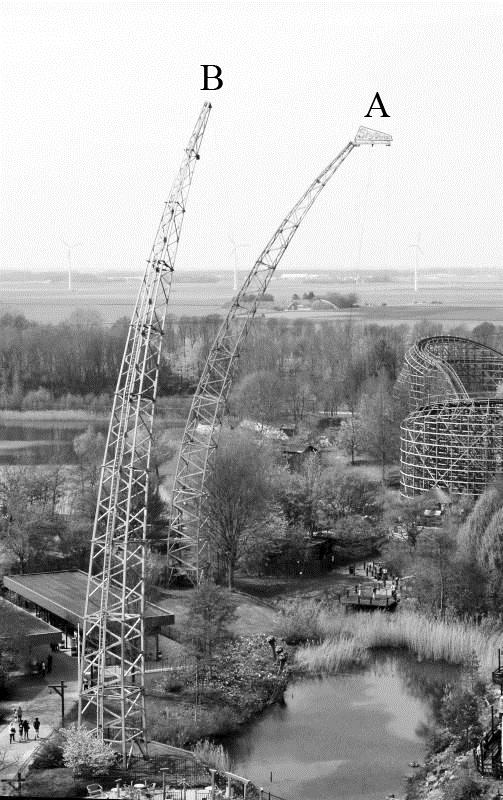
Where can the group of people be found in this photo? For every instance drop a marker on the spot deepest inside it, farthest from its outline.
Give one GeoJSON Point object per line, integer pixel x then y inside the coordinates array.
{"type": "Point", "coordinates": [23, 726]}
{"type": "Point", "coordinates": [42, 668]}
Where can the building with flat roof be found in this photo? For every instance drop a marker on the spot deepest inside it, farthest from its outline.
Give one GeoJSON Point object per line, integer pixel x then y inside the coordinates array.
{"type": "Point", "coordinates": [58, 598]}
{"type": "Point", "coordinates": [30, 637]}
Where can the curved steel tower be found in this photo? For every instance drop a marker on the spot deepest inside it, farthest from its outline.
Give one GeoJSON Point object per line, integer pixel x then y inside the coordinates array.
{"type": "Point", "coordinates": [187, 543]}
{"type": "Point", "coordinates": [453, 435]}
{"type": "Point", "coordinates": [113, 646]}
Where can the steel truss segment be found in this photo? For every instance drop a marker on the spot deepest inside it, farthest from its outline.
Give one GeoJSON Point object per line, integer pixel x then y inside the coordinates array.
{"type": "Point", "coordinates": [188, 523]}
{"type": "Point", "coordinates": [453, 436]}
{"type": "Point", "coordinates": [114, 636]}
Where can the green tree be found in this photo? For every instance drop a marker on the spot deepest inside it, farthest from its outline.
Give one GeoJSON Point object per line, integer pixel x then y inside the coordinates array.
{"type": "Point", "coordinates": [258, 397]}
{"type": "Point", "coordinates": [460, 713]}
{"type": "Point", "coordinates": [212, 609]}
{"type": "Point", "coordinates": [30, 529]}
{"type": "Point", "coordinates": [299, 494]}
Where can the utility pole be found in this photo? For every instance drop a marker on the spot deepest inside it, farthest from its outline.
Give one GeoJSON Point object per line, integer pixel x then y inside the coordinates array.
{"type": "Point", "coordinates": [60, 689]}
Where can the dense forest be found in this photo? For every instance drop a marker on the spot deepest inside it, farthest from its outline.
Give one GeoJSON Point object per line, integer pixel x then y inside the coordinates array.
{"type": "Point", "coordinates": [293, 367]}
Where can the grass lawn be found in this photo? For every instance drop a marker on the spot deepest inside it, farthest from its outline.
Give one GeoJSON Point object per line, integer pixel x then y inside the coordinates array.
{"type": "Point", "coordinates": [252, 617]}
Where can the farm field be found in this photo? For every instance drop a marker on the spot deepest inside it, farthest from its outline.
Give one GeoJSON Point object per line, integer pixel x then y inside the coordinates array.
{"type": "Point", "coordinates": [465, 299]}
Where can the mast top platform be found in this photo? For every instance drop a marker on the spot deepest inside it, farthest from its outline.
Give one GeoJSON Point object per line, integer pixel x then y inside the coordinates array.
{"type": "Point", "coordinates": [370, 136]}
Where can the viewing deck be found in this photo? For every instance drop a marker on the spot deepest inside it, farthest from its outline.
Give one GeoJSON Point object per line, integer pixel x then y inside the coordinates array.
{"type": "Point", "coordinates": [370, 601]}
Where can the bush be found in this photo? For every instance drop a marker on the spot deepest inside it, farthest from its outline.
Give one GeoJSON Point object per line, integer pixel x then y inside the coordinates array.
{"type": "Point", "coordinates": [463, 788]}
{"type": "Point", "coordinates": [84, 753]}
{"type": "Point", "coordinates": [179, 725]}
{"type": "Point", "coordinates": [300, 622]}
{"type": "Point", "coordinates": [438, 740]}
{"type": "Point", "coordinates": [49, 755]}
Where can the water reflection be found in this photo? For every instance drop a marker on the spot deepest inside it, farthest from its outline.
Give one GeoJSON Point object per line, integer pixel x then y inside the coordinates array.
{"type": "Point", "coordinates": [349, 736]}
{"type": "Point", "coordinates": [42, 443]}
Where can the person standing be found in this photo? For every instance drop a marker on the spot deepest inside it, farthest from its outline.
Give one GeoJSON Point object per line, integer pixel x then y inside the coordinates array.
{"type": "Point", "coordinates": [19, 714]}
{"type": "Point", "coordinates": [21, 731]}
{"type": "Point", "coordinates": [43, 669]}
{"type": "Point", "coordinates": [12, 733]}
{"type": "Point", "coordinates": [26, 728]}
{"type": "Point", "coordinates": [36, 726]}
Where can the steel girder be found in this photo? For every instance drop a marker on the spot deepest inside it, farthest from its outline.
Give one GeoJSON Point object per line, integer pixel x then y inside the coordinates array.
{"type": "Point", "coordinates": [113, 646]}
{"type": "Point", "coordinates": [187, 543]}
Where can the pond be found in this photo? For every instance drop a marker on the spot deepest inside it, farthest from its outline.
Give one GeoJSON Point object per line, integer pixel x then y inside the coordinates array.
{"type": "Point", "coordinates": [42, 442]}
{"type": "Point", "coordinates": [346, 737]}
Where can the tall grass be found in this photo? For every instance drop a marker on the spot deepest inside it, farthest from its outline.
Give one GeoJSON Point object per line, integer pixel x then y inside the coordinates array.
{"type": "Point", "coordinates": [214, 755]}
{"type": "Point", "coordinates": [349, 637]}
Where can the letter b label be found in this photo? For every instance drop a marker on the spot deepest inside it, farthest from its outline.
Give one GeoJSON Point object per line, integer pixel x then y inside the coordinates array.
{"type": "Point", "coordinates": [213, 76]}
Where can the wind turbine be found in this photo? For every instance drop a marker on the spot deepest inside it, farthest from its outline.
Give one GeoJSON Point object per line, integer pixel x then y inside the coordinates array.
{"type": "Point", "coordinates": [69, 248]}
{"type": "Point", "coordinates": [234, 251]}
{"type": "Point", "coordinates": [418, 250]}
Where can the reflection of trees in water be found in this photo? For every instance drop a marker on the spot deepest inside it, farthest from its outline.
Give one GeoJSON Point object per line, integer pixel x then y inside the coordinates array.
{"type": "Point", "coordinates": [422, 680]}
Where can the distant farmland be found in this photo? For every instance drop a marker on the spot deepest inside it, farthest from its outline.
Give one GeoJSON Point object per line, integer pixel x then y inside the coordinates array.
{"type": "Point", "coordinates": [471, 300]}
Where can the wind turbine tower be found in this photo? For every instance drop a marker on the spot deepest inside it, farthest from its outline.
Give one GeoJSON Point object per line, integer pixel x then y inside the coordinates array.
{"type": "Point", "coordinates": [69, 248]}
{"type": "Point", "coordinates": [234, 251]}
{"type": "Point", "coordinates": [417, 248]}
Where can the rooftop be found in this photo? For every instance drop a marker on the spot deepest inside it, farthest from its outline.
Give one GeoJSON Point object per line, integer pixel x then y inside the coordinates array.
{"type": "Point", "coordinates": [64, 595]}
{"type": "Point", "coordinates": [16, 623]}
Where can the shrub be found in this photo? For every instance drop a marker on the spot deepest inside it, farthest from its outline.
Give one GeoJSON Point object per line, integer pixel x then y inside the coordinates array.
{"type": "Point", "coordinates": [84, 753]}
{"type": "Point", "coordinates": [300, 622]}
{"type": "Point", "coordinates": [179, 725]}
{"type": "Point", "coordinates": [49, 755]}
{"type": "Point", "coordinates": [463, 788]}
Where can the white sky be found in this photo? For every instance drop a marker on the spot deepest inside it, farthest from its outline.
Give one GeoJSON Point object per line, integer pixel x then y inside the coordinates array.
{"type": "Point", "coordinates": [99, 99]}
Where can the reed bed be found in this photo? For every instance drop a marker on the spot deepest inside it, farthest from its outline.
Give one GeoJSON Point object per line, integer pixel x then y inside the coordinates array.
{"type": "Point", "coordinates": [214, 755]}
{"type": "Point", "coordinates": [349, 638]}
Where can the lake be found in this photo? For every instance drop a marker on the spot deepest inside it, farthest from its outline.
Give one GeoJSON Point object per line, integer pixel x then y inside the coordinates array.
{"type": "Point", "coordinates": [42, 441]}
{"type": "Point", "coordinates": [350, 736]}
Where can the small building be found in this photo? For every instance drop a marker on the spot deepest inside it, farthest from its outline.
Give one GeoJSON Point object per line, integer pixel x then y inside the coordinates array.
{"type": "Point", "coordinates": [25, 635]}
{"type": "Point", "coordinates": [297, 457]}
{"type": "Point", "coordinates": [58, 598]}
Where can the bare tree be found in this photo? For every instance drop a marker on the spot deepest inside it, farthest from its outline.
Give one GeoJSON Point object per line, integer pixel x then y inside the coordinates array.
{"type": "Point", "coordinates": [238, 491]}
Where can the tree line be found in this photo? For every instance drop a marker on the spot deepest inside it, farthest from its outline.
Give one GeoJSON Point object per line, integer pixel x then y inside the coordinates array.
{"type": "Point", "coordinates": [290, 367]}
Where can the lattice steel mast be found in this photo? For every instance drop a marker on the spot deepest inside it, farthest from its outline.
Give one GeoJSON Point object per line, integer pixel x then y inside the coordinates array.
{"type": "Point", "coordinates": [187, 542]}
{"type": "Point", "coordinates": [113, 646]}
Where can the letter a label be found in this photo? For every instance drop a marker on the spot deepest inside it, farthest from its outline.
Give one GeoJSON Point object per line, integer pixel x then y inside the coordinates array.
{"type": "Point", "coordinates": [379, 105]}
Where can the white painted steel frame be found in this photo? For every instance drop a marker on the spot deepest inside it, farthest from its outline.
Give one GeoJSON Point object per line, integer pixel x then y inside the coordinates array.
{"type": "Point", "coordinates": [187, 544]}
{"type": "Point", "coordinates": [113, 647]}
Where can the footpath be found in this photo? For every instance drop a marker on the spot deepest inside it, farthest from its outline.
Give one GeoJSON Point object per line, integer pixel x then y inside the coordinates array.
{"type": "Point", "coordinates": [36, 700]}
